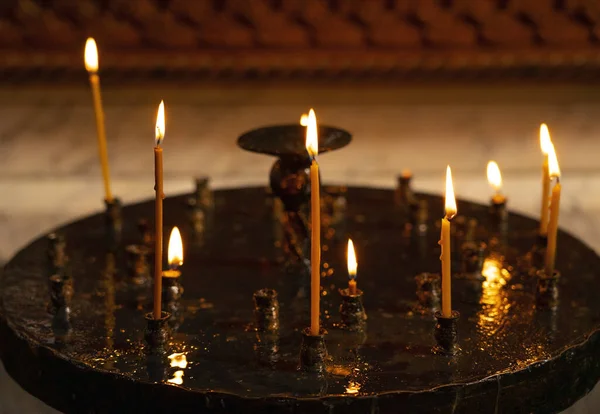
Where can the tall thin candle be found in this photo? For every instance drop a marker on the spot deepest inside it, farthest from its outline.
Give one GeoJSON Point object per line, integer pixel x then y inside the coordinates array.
{"type": "Point", "coordinates": [450, 212]}
{"type": "Point", "coordinates": [545, 144]}
{"type": "Point", "coordinates": [158, 210]}
{"type": "Point", "coordinates": [312, 146]}
{"type": "Point", "coordinates": [352, 267]}
{"type": "Point", "coordinates": [554, 172]}
{"type": "Point", "coordinates": [91, 65]}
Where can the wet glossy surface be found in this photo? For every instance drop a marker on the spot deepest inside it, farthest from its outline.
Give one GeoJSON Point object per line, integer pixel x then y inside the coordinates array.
{"type": "Point", "coordinates": [500, 332]}
{"type": "Point", "coordinates": [291, 139]}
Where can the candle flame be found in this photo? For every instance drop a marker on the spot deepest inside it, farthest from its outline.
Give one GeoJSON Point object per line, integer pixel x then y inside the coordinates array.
{"type": "Point", "coordinates": [312, 140]}
{"type": "Point", "coordinates": [175, 253]}
{"type": "Point", "coordinates": [177, 378]}
{"type": "Point", "coordinates": [160, 123]}
{"type": "Point", "coordinates": [91, 55]}
{"type": "Point", "coordinates": [493, 175]}
{"type": "Point", "coordinates": [451, 209]}
{"type": "Point", "coordinates": [545, 141]}
{"type": "Point", "coordinates": [353, 387]}
{"type": "Point", "coordinates": [352, 264]}
{"type": "Point", "coordinates": [304, 120]}
{"type": "Point", "coordinates": [178, 360]}
{"type": "Point", "coordinates": [553, 168]}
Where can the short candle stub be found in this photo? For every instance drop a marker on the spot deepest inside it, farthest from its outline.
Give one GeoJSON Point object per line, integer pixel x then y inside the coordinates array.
{"type": "Point", "coordinates": [157, 333]}
{"type": "Point", "coordinates": [137, 263]}
{"type": "Point", "coordinates": [57, 258]}
{"type": "Point", "coordinates": [428, 291]}
{"type": "Point", "coordinates": [172, 288]}
{"type": "Point", "coordinates": [313, 352]}
{"type": "Point", "coordinates": [446, 334]}
{"type": "Point", "coordinates": [203, 193]}
{"type": "Point", "coordinates": [352, 311]}
{"type": "Point", "coordinates": [114, 222]}
{"type": "Point", "coordinates": [546, 293]}
{"type": "Point", "coordinates": [498, 210]}
{"type": "Point", "coordinates": [266, 310]}
{"type": "Point", "coordinates": [472, 256]}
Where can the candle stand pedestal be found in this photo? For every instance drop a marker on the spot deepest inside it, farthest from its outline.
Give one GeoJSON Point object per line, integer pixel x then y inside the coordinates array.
{"type": "Point", "coordinates": [313, 352]}
{"type": "Point", "coordinates": [446, 334]}
{"type": "Point", "coordinates": [157, 333]}
{"type": "Point", "coordinates": [352, 311]}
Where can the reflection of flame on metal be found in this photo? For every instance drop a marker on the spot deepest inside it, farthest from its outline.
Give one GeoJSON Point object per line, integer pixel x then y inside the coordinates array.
{"type": "Point", "coordinates": [353, 388]}
{"type": "Point", "coordinates": [493, 299]}
{"type": "Point", "coordinates": [178, 360]}
{"type": "Point", "coordinates": [177, 378]}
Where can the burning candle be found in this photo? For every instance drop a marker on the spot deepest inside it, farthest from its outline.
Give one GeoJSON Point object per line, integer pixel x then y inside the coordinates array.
{"type": "Point", "coordinates": [174, 254]}
{"type": "Point", "coordinates": [554, 172]}
{"type": "Point", "coordinates": [352, 266]}
{"type": "Point", "coordinates": [545, 144]}
{"type": "Point", "coordinates": [304, 120]}
{"type": "Point", "coordinates": [450, 212]}
{"type": "Point", "coordinates": [158, 209]}
{"type": "Point", "coordinates": [495, 179]}
{"type": "Point", "coordinates": [91, 65]}
{"type": "Point", "coordinates": [312, 146]}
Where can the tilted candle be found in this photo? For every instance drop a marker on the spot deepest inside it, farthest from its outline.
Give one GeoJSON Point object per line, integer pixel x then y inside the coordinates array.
{"type": "Point", "coordinates": [554, 172]}
{"type": "Point", "coordinates": [545, 144]}
{"type": "Point", "coordinates": [91, 65]}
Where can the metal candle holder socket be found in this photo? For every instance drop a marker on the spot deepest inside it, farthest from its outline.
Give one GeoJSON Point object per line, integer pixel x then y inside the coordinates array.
{"type": "Point", "coordinates": [313, 352]}
{"type": "Point", "coordinates": [446, 333]}
{"type": "Point", "coordinates": [137, 263]}
{"type": "Point", "coordinates": [499, 214]}
{"type": "Point", "coordinates": [203, 194]}
{"type": "Point", "coordinates": [546, 293]}
{"type": "Point", "coordinates": [172, 288]}
{"type": "Point", "coordinates": [114, 222]}
{"type": "Point", "coordinates": [196, 215]}
{"type": "Point", "coordinates": [61, 292]}
{"type": "Point", "coordinates": [405, 197]}
{"type": "Point", "coordinates": [352, 311]}
{"type": "Point", "coordinates": [538, 251]}
{"type": "Point", "coordinates": [266, 310]}
{"type": "Point", "coordinates": [428, 291]}
{"type": "Point", "coordinates": [157, 333]}
{"type": "Point", "coordinates": [472, 256]}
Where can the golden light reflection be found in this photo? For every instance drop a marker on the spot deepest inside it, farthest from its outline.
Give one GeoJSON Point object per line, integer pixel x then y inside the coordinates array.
{"type": "Point", "coordinates": [178, 360]}
{"type": "Point", "coordinates": [175, 253]}
{"type": "Point", "coordinates": [160, 123]}
{"type": "Point", "coordinates": [91, 55]}
{"type": "Point", "coordinates": [493, 175]}
{"type": "Point", "coordinates": [304, 120]}
{"type": "Point", "coordinates": [177, 378]}
{"type": "Point", "coordinates": [353, 388]}
{"type": "Point", "coordinates": [312, 139]}
{"type": "Point", "coordinates": [494, 300]}
{"type": "Point", "coordinates": [451, 209]}
{"type": "Point", "coordinates": [545, 141]}
{"type": "Point", "coordinates": [553, 168]}
{"type": "Point", "coordinates": [352, 264]}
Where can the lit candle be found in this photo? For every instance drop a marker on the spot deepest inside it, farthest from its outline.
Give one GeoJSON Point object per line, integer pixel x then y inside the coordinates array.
{"type": "Point", "coordinates": [304, 120]}
{"type": "Point", "coordinates": [91, 65]}
{"type": "Point", "coordinates": [174, 254]}
{"type": "Point", "coordinates": [312, 146]}
{"type": "Point", "coordinates": [352, 265]}
{"type": "Point", "coordinates": [495, 179]}
{"type": "Point", "coordinates": [554, 172]}
{"type": "Point", "coordinates": [545, 144]}
{"type": "Point", "coordinates": [450, 210]}
{"type": "Point", "coordinates": [158, 209]}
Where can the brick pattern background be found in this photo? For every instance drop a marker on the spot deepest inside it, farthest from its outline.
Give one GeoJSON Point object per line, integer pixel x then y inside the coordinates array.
{"type": "Point", "coordinates": [294, 38]}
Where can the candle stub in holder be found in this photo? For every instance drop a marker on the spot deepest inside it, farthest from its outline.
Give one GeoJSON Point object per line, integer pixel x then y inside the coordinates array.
{"type": "Point", "coordinates": [498, 203]}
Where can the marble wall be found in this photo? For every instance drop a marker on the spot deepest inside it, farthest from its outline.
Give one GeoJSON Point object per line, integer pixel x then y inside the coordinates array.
{"type": "Point", "coordinates": [50, 173]}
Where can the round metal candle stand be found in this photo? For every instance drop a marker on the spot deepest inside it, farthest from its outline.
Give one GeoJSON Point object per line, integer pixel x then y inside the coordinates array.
{"type": "Point", "coordinates": [446, 333]}
{"type": "Point", "coordinates": [546, 292]}
{"type": "Point", "coordinates": [352, 311]}
{"type": "Point", "coordinates": [266, 310]}
{"type": "Point", "coordinates": [313, 351]}
{"type": "Point", "coordinates": [100, 365]}
{"type": "Point", "coordinates": [157, 333]}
